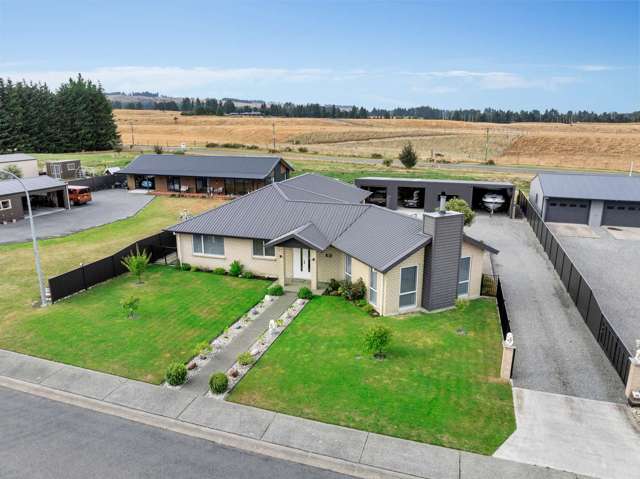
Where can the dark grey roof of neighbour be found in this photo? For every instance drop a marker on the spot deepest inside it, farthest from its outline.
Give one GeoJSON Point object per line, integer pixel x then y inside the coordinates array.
{"type": "Point", "coordinates": [35, 183]}
{"type": "Point", "coordinates": [249, 167]}
{"type": "Point", "coordinates": [329, 187]}
{"type": "Point", "coordinates": [13, 157]}
{"type": "Point", "coordinates": [591, 187]}
{"type": "Point", "coordinates": [378, 237]}
{"type": "Point", "coordinates": [479, 244]}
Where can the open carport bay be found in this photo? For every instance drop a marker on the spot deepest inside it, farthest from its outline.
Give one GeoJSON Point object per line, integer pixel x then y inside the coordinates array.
{"type": "Point", "coordinates": [610, 263]}
{"type": "Point", "coordinates": [107, 206]}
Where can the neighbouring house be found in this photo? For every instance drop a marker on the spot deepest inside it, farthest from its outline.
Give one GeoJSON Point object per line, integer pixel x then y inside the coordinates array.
{"type": "Point", "coordinates": [44, 191]}
{"type": "Point", "coordinates": [596, 200]}
{"type": "Point", "coordinates": [211, 175]}
{"type": "Point", "coordinates": [64, 169]}
{"type": "Point", "coordinates": [310, 229]}
{"type": "Point", "coordinates": [27, 164]}
{"type": "Point", "coordinates": [424, 193]}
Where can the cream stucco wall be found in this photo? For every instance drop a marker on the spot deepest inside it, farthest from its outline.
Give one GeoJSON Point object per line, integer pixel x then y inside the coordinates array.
{"type": "Point", "coordinates": [28, 168]}
{"type": "Point", "coordinates": [477, 261]}
{"type": "Point", "coordinates": [391, 286]}
{"type": "Point", "coordinates": [234, 248]}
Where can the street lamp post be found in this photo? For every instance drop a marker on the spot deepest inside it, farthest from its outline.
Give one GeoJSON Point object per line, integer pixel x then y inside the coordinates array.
{"type": "Point", "coordinates": [36, 254]}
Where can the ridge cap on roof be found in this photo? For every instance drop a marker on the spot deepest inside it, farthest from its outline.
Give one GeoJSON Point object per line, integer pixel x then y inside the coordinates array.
{"type": "Point", "coordinates": [316, 193]}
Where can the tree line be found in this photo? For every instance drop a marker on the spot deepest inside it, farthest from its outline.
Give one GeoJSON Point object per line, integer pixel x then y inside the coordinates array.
{"type": "Point", "coordinates": [75, 117]}
{"type": "Point", "coordinates": [212, 106]}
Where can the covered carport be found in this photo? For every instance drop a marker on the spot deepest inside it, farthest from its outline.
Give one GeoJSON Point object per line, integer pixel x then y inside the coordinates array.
{"type": "Point", "coordinates": [44, 192]}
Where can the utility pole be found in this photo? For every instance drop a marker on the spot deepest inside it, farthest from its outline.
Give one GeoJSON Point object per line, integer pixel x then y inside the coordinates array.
{"type": "Point", "coordinates": [34, 240]}
{"type": "Point", "coordinates": [132, 139]}
{"type": "Point", "coordinates": [631, 169]}
{"type": "Point", "coordinates": [273, 125]}
{"type": "Point", "coordinates": [486, 147]}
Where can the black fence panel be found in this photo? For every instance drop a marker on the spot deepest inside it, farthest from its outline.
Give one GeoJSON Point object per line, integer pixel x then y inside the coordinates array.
{"type": "Point", "coordinates": [594, 316]}
{"type": "Point", "coordinates": [567, 267]}
{"type": "Point", "coordinates": [584, 298]}
{"type": "Point", "coordinates": [559, 262]}
{"type": "Point", "coordinates": [101, 182]}
{"type": "Point", "coordinates": [553, 252]}
{"type": "Point", "coordinates": [574, 285]}
{"type": "Point", "coordinates": [502, 310]}
{"type": "Point", "coordinates": [159, 246]}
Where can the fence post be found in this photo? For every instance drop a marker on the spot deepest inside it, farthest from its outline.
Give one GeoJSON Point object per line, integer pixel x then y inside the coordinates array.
{"type": "Point", "coordinates": [84, 277]}
{"type": "Point", "coordinates": [508, 354]}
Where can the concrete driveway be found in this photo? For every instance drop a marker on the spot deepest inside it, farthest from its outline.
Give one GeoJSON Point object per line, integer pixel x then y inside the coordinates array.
{"type": "Point", "coordinates": [107, 206]}
{"type": "Point", "coordinates": [556, 353]}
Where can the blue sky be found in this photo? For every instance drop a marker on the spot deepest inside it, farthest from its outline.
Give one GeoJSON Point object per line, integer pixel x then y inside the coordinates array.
{"type": "Point", "coordinates": [518, 55]}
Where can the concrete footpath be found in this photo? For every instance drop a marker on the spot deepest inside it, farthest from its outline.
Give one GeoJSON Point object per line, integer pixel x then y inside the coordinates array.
{"type": "Point", "coordinates": [340, 449]}
{"type": "Point", "coordinates": [224, 359]}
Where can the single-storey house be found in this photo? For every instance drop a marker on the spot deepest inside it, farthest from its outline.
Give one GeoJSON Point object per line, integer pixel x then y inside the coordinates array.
{"type": "Point", "coordinates": [44, 191]}
{"type": "Point", "coordinates": [425, 193]}
{"type": "Point", "coordinates": [27, 164]}
{"type": "Point", "coordinates": [212, 175]}
{"type": "Point", "coordinates": [607, 200]}
{"type": "Point", "coordinates": [310, 229]}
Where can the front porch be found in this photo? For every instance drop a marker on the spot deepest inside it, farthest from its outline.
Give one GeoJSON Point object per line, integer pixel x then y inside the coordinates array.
{"type": "Point", "coordinates": [300, 266]}
{"type": "Point", "coordinates": [294, 285]}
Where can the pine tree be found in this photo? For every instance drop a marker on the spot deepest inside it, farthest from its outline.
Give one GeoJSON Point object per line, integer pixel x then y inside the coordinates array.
{"type": "Point", "coordinates": [408, 156]}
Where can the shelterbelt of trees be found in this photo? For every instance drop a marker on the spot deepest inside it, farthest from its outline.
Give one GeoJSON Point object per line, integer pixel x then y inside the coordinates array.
{"type": "Point", "coordinates": [213, 106]}
{"type": "Point", "coordinates": [76, 117]}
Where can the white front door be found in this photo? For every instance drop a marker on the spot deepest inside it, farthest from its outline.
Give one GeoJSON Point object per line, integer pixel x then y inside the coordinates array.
{"type": "Point", "coordinates": [301, 263]}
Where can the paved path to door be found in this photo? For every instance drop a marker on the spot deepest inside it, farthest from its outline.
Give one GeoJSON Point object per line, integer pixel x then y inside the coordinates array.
{"type": "Point", "coordinates": [556, 352]}
{"type": "Point", "coordinates": [223, 360]}
{"type": "Point", "coordinates": [107, 206]}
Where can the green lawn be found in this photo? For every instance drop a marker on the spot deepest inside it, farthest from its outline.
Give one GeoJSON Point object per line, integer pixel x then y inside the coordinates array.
{"type": "Point", "coordinates": [178, 309]}
{"type": "Point", "coordinates": [435, 386]}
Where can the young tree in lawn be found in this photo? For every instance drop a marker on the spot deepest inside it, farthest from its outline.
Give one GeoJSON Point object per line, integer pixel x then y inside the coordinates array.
{"type": "Point", "coordinates": [137, 263]}
{"type": "Point", "coordinates": [130, 305]}
{"type": "Point", "coordinates": [408, 156]}
{"type": "Point", "coordinates": [376, 340]}
{"type": "Point", "coordinates": [461, 206]}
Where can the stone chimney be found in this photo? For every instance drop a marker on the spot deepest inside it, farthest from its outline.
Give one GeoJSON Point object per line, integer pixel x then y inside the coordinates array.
{"type": "Point", "coordinates": [442, 258]}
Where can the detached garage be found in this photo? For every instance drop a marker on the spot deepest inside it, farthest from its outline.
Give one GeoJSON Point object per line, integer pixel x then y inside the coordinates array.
{"type": "Point", "coordinates": [607, 200]}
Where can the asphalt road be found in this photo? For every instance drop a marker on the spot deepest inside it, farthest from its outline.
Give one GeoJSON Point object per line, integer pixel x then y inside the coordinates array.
{"type": "Point", "coordinates": [40, 438]}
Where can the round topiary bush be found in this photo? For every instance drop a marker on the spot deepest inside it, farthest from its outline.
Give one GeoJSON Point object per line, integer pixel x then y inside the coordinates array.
{"type": "Point", "coordinates": [305, 293]}
{"type": "Point", "coordinates": [176, 374]}
{"type": "Point", "coordinates": [276, 290]}
{"type": "Point", "coordinates": [218, 383]}
{"type": "Point", "coordinates": [245, 359]}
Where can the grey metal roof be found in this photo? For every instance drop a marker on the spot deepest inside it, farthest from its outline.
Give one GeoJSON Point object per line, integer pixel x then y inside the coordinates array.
{"type": "Point", "coordinates": [330, 187]}
{"type": "Point", "coordinates": [13, 157]}
{"type": "Point", "coordinates": [591, 187]}
{"type": "Point", "coordinates": [35, 183]}
{"type": "Point", "coordinates": [382, 179]}
{"type": "Point", "coordinates": [308, 234]}
{"type": "Point", "coordinates": [249, 167]}
{"type": "Point", "coordinates": [479, 244]}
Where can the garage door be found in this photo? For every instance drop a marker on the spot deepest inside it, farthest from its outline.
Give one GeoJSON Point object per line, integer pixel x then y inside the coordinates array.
{"type": "Point", "coordinates": [618, 213]}
{"type": "Point", "coordinates": [561, 210]}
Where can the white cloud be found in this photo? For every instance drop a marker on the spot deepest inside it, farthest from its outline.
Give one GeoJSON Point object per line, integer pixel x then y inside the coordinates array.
{"type": "Point", "coordinates": [595, 68]}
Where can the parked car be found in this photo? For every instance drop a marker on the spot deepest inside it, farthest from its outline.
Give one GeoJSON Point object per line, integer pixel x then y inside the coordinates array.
{"type": "Point", "coordinates": [413, 202]}
{"type": "Point", "coordinates": [79, 195]}
{"type": "Point", "coordinates": [377, 199]}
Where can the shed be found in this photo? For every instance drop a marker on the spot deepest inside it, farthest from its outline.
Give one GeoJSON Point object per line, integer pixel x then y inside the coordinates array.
{"type": "Point", "coordinates": [27, 164]}
{"type": "Point", "coordinates": [44, 191]}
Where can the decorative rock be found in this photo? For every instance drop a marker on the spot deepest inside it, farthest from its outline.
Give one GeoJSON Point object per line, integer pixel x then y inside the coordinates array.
{"type": "Point", "coordinates": [192, 365]}
{"type": "Point", "coordinates": [238, 326]}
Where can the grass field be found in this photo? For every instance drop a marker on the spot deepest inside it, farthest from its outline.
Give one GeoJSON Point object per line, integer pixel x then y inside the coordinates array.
{"type": "Point", "coordinates": [18, 286]}
{"type": "Point", "coordinates": [178, 309]}
{"type": "Point", "coordinates": [585, 145]}
{"type": "Point", "coordinates": [436, 385]}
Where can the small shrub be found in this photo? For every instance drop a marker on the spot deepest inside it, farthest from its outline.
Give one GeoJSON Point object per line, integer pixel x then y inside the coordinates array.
{"type": "Point", "coordinates": [276, 290]}
{"type": "Point", "coordinates": [202, 349]}
{"type": "Point", "coordinates": [355, 291]}
{"type": "Point", "coordinates": [303, 149]}
{"type": "Point", "coordinates": [158, 150]}
{"type": "Point", "coordinates": [185, 266]}
{"type": "Point", "coordinates": [212, 145]}
{"type": "Point", "coordinates": [176, 374]}
{"type": "Point", "coordinates": [220, 271]}
{"type": "Point", "coordinates": [305, 293]}
{"type": "Point", "coordinates": [490, 162]}
{"type": "Point", "coordinates": [178, 152]}
{"type": "Point", "coordinates": [408, 156]}
{"type": "Point", "coordinates": [245, 359]}
{"type": "Point", "coordinates": [137, 263]}
{"type": "Point", "coordinates": [252, 147]}
{"type": "Point", "coordinates": [334, 285]}
{"type": "Point", "coordinates": [369, 309]}
{"type": "Point", "coordinates": [376, 156]}
{"type": "Point", "coordinates": [461, 206]}
{"type": "Point", "coordinates": [218, 383]}
{"type": "Point", "coordinates": [247, 275]}
{"type": "Point", "coordinates": [273, 150]}
{"type": "Point", "coordinates": [279, 322]}
{"type": "Point", "coordinates": [387, 162]}
{"type": "Point", "coordinates": [376, 340]}
{"type": "Point", "coordinates": [130, 305]}
{"type": "Point", "coordinates": [288, 149]}
{"type": "Point", "coordinates": [236, 268]}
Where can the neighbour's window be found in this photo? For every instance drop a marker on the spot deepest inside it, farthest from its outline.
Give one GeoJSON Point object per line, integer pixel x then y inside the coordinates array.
{"type": "Point", "coordinates": [408, 286]}
{"type": "Point", "coordinates": [347, 267]}
{"type": "Point", "coordinates": [373, 286]}
{"type": "Point", "coordinates": [208, 244]}
{"type": "Point", "coordinates": [5, 205]}
{"type": "Point", "coordinates": [464, 273]}
{"type": "Point", "coordinates": [260, 248]}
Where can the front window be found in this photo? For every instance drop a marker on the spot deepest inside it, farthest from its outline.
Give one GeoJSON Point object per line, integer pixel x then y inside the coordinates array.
{"type": "Point", "coordinates": [373, 286]}
{"type": "Point", "coordinates": [260, 248]}
{"type": "Point", "coordinates": [201, 184]}
{"type": "Point", "coordinates": [347, 267]}
{"type": "Point", "coordinates": [408, 286]}
{"type": "Point", "coordinates": [173, 183]}
{"type": "Point", "coordinates": [208, 245]}
{"type": "Point", "coordinates": [464, 272]}
{"type": "Point", "coordinates": [5, 205]}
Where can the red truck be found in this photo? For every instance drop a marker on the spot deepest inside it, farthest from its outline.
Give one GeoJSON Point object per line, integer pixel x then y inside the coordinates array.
{"type": "Point", "coordinates": [79, 195]}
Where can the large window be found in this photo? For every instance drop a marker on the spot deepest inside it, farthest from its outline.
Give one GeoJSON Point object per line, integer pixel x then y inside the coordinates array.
{"type": "Point", "coordinates": [260, 248]}
{"type": "Point", "coordinates": [208, 245]}
{"type": "Point", "coordinates": [234, 186]}
{"type": "Point", "coordinates": [373, 286]}
{"type": "Point", "coordinates": [464, 273]}
{"type": "Point", "coordinates": [408, 286]}
{"type": "Point", "coordinates": [347, 267]}
{"type": "Point", "coordinates": [201, 184]}
{"type": "Point", "coordinates": [5, 205]}
{"type": "Point", "coordinates": [173, 183]}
